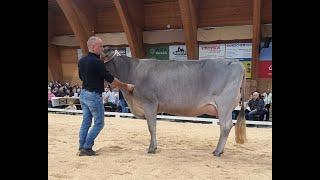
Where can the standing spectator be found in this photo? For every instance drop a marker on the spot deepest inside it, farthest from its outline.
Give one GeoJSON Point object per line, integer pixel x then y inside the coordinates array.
{"type": "Point", "coordinates": [268, 101]}
{"type": "Point", "coordinates": [50, 96]}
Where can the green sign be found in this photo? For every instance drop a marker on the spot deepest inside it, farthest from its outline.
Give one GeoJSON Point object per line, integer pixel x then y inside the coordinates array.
{"type": "Point", "coordinates": [158, 52]}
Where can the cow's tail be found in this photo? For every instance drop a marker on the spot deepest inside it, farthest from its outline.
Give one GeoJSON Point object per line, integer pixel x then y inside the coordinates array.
{"type": "Point", "coordinates": [240, 128]}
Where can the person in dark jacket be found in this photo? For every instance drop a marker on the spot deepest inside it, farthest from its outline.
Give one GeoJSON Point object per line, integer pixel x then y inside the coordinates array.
{"type": "Point", "coordinates": [256, 106]}
{"type": "Point", "coordinates": [93, 73]}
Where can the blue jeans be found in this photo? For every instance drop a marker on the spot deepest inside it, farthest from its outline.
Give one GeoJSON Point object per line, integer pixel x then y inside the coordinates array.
{"type": "Point", "coordinates": [92, 106]}
{"type": "Point", "coordinates": [122, 103]}
{"type": "Point", "coordinates": [254, 112]}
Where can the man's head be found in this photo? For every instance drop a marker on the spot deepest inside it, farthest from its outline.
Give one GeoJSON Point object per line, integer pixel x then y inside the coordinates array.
{"type": "Point", "coordinates": [255, 95]}
{"type": "Point", "coordinates": [268, 90]}
{"type": "Point", "coordinates": [74, 90]}
{"type": "Point", "coordinates": [95, 45]}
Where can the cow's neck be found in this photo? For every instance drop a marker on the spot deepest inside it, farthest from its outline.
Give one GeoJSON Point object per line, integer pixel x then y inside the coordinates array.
{"type": "Point", "coordinates": [125, 69]}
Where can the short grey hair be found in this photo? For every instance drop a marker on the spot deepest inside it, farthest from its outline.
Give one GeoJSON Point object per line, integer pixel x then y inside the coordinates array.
{"type": "Point", "coordinates": [91, 41]}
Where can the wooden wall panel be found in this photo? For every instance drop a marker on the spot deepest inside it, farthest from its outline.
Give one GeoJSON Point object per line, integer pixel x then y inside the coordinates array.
{"type": "Point", "coordinates": [264, 84]}
{"type": "Point", "coordinates": [69, 61]}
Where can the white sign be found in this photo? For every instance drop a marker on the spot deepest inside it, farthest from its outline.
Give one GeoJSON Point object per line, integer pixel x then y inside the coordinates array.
{"type": "Point", "coordinates": [239, 50]}
{"type": "Point", "coordinates": [121, 51]}
{"type": "Point", "coordinates": [79, 52]}
{"type": "Point", "coordinates": [61, 101]}
{"type": "Point", "coordinates": [178, 52]}
{"type": "Point", "coordinates": [212, 51]}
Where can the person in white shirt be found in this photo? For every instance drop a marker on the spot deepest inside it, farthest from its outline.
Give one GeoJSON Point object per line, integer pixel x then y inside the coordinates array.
{"type": "Point", "coordinates": [267, 97]}
{"type": "Point", "coordinates": [110, 99]}
{"type": "Point", "coordinates": [71, 106]}
{"type": "Point", "coordinates": [105, 95]}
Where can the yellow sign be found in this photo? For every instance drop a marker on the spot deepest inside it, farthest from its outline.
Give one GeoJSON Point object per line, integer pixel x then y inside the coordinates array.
{"type": "Point", "coordinates": [247, 65]}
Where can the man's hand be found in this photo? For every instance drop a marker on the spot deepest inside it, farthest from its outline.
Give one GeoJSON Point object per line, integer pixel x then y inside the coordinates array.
{"type": "Point", "coordinates": [130, 88]}
{"type": "Point", "coordinates": [121, 85]}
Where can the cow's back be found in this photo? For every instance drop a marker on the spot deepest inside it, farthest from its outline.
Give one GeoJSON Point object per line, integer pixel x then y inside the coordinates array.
{"type": "Point", "coordinates": [181, 85]}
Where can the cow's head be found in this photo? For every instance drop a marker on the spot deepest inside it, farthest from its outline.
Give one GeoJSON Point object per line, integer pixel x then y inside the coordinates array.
{"type": "Point", "coordinates": [107, 55]}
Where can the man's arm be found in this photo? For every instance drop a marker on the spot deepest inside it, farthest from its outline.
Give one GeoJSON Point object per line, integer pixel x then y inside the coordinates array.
{"type": "Point", "coordinates": [260, 105]}
{"type": "Point", "coordinates": [250, 103]}
{"type": "Point", "coordinates": [118, 84]}
{"type": "Point", "coordinates": [114, 81]}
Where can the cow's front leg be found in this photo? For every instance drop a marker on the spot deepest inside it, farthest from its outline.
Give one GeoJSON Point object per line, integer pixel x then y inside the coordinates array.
{"type": "Point", "coordinates": [151, 116]}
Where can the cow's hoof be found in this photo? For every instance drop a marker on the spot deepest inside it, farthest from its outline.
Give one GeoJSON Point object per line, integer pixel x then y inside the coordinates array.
{"type": "Point", "coordinates": [152, 150]}
{"type": "Point", "coordinates": [216, 153]}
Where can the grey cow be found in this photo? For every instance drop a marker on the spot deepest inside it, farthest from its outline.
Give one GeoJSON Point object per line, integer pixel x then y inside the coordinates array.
{"type": "Point", "coordinates": [186, 88]}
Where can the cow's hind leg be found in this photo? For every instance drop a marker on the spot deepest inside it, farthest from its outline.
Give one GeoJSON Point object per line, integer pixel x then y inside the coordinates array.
{"type": "Point", "coordinates": [225, 127]}
{"type": "Point", "coordinates": [151, 116]}
{"type": "Point", "coordinates": [225, 119]}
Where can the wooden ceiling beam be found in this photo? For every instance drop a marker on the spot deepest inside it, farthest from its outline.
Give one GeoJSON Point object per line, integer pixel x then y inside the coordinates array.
{"type": "Point", "coordinates": [256, 37]}
{"type": "Point", "coordinates": [79, 15]}
{"type": "Point", "coordinates": [131, 14]}
{"type": "Point", "coordinates": [189, 16]}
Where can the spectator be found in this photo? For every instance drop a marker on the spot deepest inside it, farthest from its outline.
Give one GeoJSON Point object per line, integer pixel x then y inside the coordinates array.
{"type": "Point", "coordinates": [122, 103]}
{"type": "Point", "coordinates": [79, 90]}
{"type": "Point", "coordinates": [110, 99]}
{"type": "Point", "coordinates": [71, 106]}
{"type": "Point", "coordinates": [74, 92]}
{"type": "Point", "coordinates": [256, 106]}
{"type": "Point", "coordinates": [61, 92]}
{"type": "Point", "coordinates": [105, 95]}
{"type": "Point", "coordinates": [268, 101]}
{"type": "Point", "coordinates": [50, 96]}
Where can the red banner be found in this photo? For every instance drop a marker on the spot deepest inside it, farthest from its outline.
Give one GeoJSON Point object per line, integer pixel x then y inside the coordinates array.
{"type": "Point", "coordinates": [265, 69]}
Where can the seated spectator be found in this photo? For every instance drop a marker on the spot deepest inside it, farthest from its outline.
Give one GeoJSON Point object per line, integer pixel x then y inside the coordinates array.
{"type": "Point", "coordinates": [235, 113]}
{"type": "Point", "coordinates": [78, 91]}
{"type": "Point", "coordinates": [71, 106]}
{"type": "Point", "coordinates": [74, 93]}
{"type": "Point", "coordinates": [109, 99]}
{"type": "Point", "coordinates": [67, 92]}
{"type": "Point", "coordinates": [122, 103]}
{"type": "Point", "coordinates": [61, 92]}
{"type": "Point", "coordinates": [76, 86]}
{"type": "Point", "coordinates": [256, 107]}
